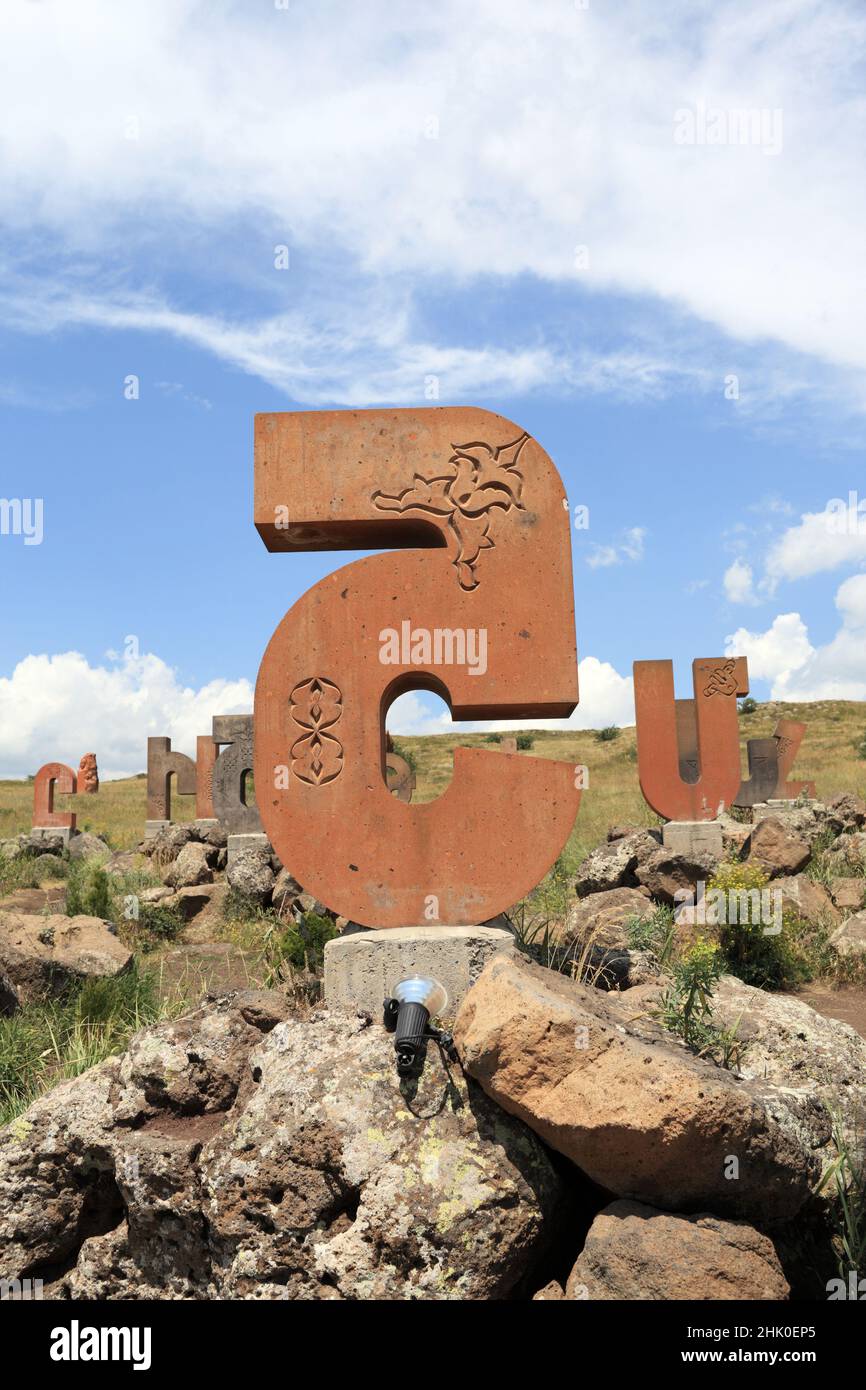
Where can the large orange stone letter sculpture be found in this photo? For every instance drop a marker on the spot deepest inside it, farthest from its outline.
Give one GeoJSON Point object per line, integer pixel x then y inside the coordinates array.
{"type": "Point", "coordinates": [688, 751]}
{"type": "Point", "coordinates": [478, 513]}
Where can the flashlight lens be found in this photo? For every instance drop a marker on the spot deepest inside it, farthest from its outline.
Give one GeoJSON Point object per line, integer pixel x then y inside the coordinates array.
{"type": "Point", "coordinates": [422, 989]}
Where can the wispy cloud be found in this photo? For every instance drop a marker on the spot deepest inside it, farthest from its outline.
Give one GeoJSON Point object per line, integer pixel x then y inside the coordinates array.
{"type": "Point", "coordinates": [381, 139]}
{"type": "Point", "coordinates": [629, 547]}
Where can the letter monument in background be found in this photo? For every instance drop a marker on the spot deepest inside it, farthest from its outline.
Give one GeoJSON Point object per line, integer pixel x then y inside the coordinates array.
{"type": "Point", "coordinates": [230, 772]}
{"type": "Point", "coordinates": [688, 751]}
{"type": "Point", "coordinates": [53, 777]}
{"type": "Point", "coordinates": [473, 512]}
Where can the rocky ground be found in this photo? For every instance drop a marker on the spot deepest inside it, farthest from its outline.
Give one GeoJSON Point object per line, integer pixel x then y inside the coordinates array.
{"type": "Point", "coordinates": [261, 1146]}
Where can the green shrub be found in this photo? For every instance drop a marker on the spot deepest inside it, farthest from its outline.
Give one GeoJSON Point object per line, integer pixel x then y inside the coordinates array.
{"type": "Point", "coordinates": [608, 734]}
{"type": "Point", "coordinates": [769, 961]}
{"type": "Point", "coordinates": [492, 738]}
{"type": "Point", "coordinates": [406, 754]}
{"type": "Point", "coordinates": [297, 946]}
{"type": "Point", "coordinates": [748, 706]}
{"type": "Point", "coordinates": [89, 892]}
{"type": "Point", "coordinates": [686, 1010]}
{"type": "Point", "coordinates": [860, 746]}
{"type": "Point", "coordinates": [656, 933]}
{"type": "Point", "coordinates": [524, 742]}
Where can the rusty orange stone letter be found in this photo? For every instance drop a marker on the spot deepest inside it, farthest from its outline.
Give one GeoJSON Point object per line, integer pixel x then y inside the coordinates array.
{"type": "Point", "coordinates": [474, 601]}
{"type": "Point", "coordinates": [688, 751]}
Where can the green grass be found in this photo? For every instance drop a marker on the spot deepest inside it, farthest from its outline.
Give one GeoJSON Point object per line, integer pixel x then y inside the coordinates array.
{"type": "Point", "coordinates": [53, 1040]}
{"type": "Point", "coordinates": [844, 1184]}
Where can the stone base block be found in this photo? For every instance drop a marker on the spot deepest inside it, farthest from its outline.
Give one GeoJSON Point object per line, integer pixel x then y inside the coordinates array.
{"type": "Point", "coordinates": [693, 837]}
{"type": "Point", "coordinates": [238, 843]}
{"type": "Point", "coordinates": [39, 832]}
{"type": "Point", "coordinates": [362, 969]}
{"type": "Point", "coordinates": [206, 822]}
{"type": "Point", "coordinates": [153, 827]}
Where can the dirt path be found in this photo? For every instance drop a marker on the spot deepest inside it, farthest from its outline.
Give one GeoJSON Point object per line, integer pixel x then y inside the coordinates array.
{"type": "Point", "coordinates": [848, 1005]}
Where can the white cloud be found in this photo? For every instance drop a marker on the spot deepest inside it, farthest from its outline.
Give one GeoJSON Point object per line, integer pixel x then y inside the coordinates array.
{"type": "Point", "coordinates": [796, 670]}
{"type": "Point", "coordinates": [630, 547]}
{"type": "Point", "coordinates": [442, 143]}
{"type": "Point", "coordinates": [773, 655]}
{"type": "Point", "coordinates": [738, 583]}
{"type": "Point", "coordinates": [56, 708]}
{"type": "Point", "coordinates": [820, 542]}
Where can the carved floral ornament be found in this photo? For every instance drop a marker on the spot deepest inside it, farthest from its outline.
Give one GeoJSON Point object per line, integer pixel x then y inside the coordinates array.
{"type": "Point", "coordinates": [317, 757]}
{"type": "Point", "coordinates": [478, 479]}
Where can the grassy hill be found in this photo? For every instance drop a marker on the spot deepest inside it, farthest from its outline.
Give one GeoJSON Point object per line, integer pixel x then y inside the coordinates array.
{"type": "Point", "coordinates": [827, 756]}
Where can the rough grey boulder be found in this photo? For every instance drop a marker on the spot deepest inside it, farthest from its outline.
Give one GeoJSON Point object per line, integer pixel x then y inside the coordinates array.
{"type": "Point", "coordinates": [850, 938]}
{"type": "Point", "coordinates": [775, 849]}
{"type": "Point", "coordinates": [603, 917]}
{"type": "Point", "coordinates": [848, 893]}
{"type": "Point", "coordinates": [191, 867]}
{"type": "Point", "coordinates": [44, 954]}
{"type": "Point", "coordinates": [168, 843]}
{"type": "Point", "coordinates": [42, 843]}
{"type": "Point", "coordinates": [637, 1253]}
{"type": "Point", "coordinates": [613, 865]}
{"type": "Point", "coordinates": [807, 899]}
{"type": "Point", "coordinates": [8, 996]}
{"type": "Point", "coordinates": [235, 1154]}
{"type": "Point", "coordinates": [665, 874]}
{"type": "Point", "coordinates": [638, 1113]}
{"type": "Point", "coordinates": [846, 813]}
{"type": "Point", "coordinates": [791, 1046]}
{"type": "Point", "coordinates": [286, 890]}
{"type": "Point", "coordinates": [847, 855]}
{"type": "Point", "coordinates": [805, 820]}
{"type": "Point", "coordinates": [83, 845]}
{"type": "Point", "coordinates": [250, 873]}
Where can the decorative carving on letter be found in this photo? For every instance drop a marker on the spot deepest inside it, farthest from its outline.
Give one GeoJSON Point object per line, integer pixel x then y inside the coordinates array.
{"type": "Point", "coordinates": [317, 757]}
{"type": "Point", "coordinates": [476, 479]}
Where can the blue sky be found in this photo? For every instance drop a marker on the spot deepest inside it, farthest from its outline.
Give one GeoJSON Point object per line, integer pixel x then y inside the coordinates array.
{"type": "Point", "coordinates": [495, 197]}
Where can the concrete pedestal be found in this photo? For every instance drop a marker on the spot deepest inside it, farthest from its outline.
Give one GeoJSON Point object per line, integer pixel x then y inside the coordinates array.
{"type": "Point", "coordinates": [152, 828]}
{"type": "Point", "coordinates": [40, 832]}
{"type": "Point", "coordinates": [238, 843]}
{"type": "Point", "coordinates": [692, 838]}
{"type": "Point", "coordinates": [362, 969]}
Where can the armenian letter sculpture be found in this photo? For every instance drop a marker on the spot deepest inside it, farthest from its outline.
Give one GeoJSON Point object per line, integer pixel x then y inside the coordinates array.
{"type": "Point", "coordinates": [53, 777]}
{"type": "Point", "coordinates": [688, 751]}
{"type": "Point", "coordinates": [476, 512]}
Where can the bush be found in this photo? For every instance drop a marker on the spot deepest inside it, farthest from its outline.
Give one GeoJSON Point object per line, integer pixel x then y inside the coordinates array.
{"type": "Point", "coordinates": [748, 706]}
{"type": "Point", "coordinates": [297, 946]}
{"type": "Point", "coordinates": [860, 746]}
{"type": "Point", "coordinates": [655, 933]}
{"type": "Point", "coordinates": [88, 891]}
{"type": "Point", "coordinates": [770, 961]}
{"type": "Point", "coordinates": [524, 741]}
{"type": "Point", "coordinates": [406, 754]}
{"type": "Point", "coordinates": [608, 734]}
{"type": "Point", "coordinates": [492, 738]}
{"type": "Point", "coordinates": [686, 1009]}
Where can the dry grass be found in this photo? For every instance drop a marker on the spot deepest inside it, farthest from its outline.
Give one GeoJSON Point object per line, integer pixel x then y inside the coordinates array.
{"type": "Point", "coordinates": [827, 756]}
